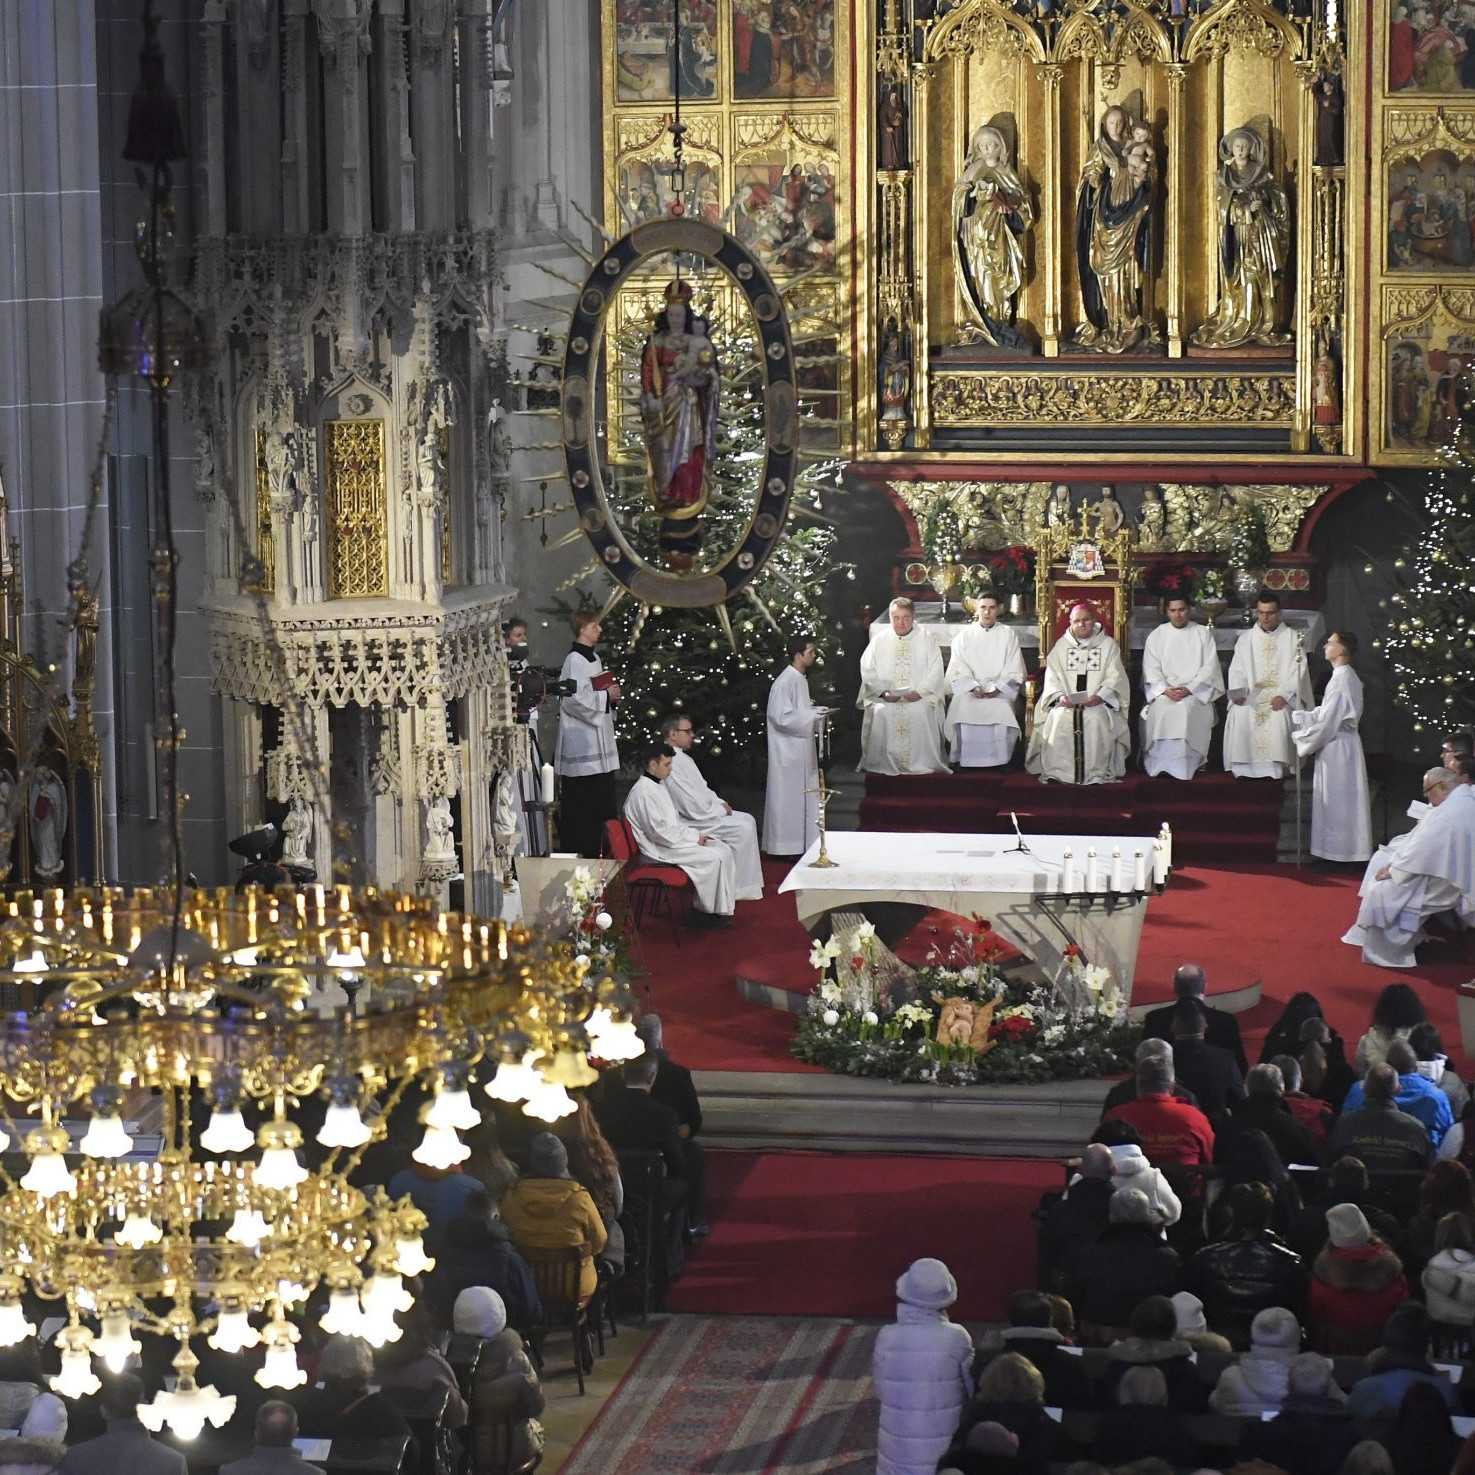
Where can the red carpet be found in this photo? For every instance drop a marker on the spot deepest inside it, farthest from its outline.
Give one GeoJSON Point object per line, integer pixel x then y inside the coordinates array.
{"type": "Point", "coordinates": [809, 1234]}
{"type": "Point", "coordinates": [1214, 819]}
{"type": "Point", "coordinates": [1271, 922]}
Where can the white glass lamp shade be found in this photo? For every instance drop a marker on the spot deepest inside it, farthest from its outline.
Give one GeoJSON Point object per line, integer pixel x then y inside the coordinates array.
{"type": "Point", "coordinates": [33, 962]}
{"type": "Point", "coordinates": [13, 1324]}
{"type": "Point", "coordinates": [343, 1317]}
{"type": "Point", "coordinates": [187, 1409]}
{"type": "Point", "coordinates": [385, 1290]}
{"type": "Point", "coordinates": [549, 1102]}
{"type": "Point", "coordinates": [279, 1167]}
{"type": "Point", "coordinates": [570, 1068]}
{"type": "Point", "coordinates": [453, 1109]}
{"type": "Point", "coordinates": [48, 1174]}
{"type": "Point", "coordinates": [106, 1136]}
{"type": "Point", "coordinates": [440, 1147]}
{"type": "Point", "coordinates": [279, 1367]}
{"type": "Point", "coordinates": [227, 1132]}
{"type": "Point", "coordinates": [138, 1231]}
{"type": "Point", "coordinates": [116, 1342]}
{"type": "Point", "coordinates": [76, 1378]}
{"type": "Point", "coordinates": [248, 1228]}
{"type": "Point", "coordinates": [233, 1332]}
{"type": "Point", "coordinates": [516, 1080]}
{"type": "Point", "coordinates": [343, 1126]}
{"type": "Point", "coordinates": [347, 958]}
{"type": "Point", "coordinates": [612, 1039]}
{"type": "Point", "coordinates": [291, 1292]}
{"type": "Point", "coordinates": [409, 1256]}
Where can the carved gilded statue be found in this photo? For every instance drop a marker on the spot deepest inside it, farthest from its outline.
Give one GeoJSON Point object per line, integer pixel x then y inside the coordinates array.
{"type": "Point", "coordinates": [679, 387]}
{"type": "Point", "coordinates": [1254, 242]}
{"type": "Point", "coordinates": [1114, 203]}
{"type": "Point", "coordinates": [991, 211]}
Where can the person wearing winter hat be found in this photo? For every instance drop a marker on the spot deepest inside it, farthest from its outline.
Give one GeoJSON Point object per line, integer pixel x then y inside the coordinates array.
{"type": "Point", "coordinates": [920, 1369]}
{"type": "Point", "coordinates": [42, 1441]}
{"type": "Point", "coordinates": [505, 1395]}
{"type": "Point", "coordinates": [1356, 1282]}
{"type": "Point", "coordinates": [1128, 1263]}
{"type": "Point", "coordinates": [1260, 1381]}
{"type": "Point", "coordinates": [1312, 1433]}
{"type": "Point", "coordinates": [1131, 1169]}
{"type": "Point", "coordinates": [545, 1209]}
{"type": "Point", "coordinates": [1211, 1351]}
{"type": "Point", "coordinates": [1400, 1360]}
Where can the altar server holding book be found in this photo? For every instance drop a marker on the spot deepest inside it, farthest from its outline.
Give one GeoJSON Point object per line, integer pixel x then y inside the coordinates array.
{"type": "Point", "coordinates": [1267, 682]}
{"type": "Point", "coordinates": [1081, 734]}
{"type": "Point", "coordinates": [902, 695]}
{"type": "Point", "coordinates": [1341, 817]}
{"type": "Point", "coordinates": [984, 673]}
{"type": "Point", "coordinates": [1181, 681]}
{"type": "Point", "coordinates": [791, 795]}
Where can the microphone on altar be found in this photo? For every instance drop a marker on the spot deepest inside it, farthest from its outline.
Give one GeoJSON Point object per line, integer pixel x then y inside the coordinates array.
{"type": "Point", "coordinates": [1019, 847]}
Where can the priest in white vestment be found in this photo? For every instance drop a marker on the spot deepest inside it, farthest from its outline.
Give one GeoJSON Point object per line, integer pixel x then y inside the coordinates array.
{"type": "Point", "coordinates": [1181, 681]}
{"type": "Point", "coordinates": [700, 805]}
{"type": "Point", "coordinates": [587, 757]}
{"type": "Point", "coordinates": [661, 834]}
{"type": "Point", "coordinates": [791, 797]}
{"type": "Point", "coordinates": [1081, 734]}
{"type": "Point", "coordinates": [1429, 870]}
{"type": "Point", "coordinates": [902, 695]}
{"type": "Point", "coordinates": [1341, 816]}
{"type": "Point", "coordinates": [984, 673]}
{"type": "Point", "coordinates": [1267, 682]}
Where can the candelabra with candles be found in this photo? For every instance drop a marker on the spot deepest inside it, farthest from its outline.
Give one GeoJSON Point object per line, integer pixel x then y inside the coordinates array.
{"type": "Point", "coordinates": [822, 791]}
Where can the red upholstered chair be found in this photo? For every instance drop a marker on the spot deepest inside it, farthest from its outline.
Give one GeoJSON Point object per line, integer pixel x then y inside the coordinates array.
{"type": "Point", "coordinates": [651, 885]}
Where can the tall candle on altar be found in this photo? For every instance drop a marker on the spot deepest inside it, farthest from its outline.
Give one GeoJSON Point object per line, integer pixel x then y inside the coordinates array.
{"type": "Point", "coordinates": [547, 783]}
{"type": "Point", "coordinates": [1139, 871]}
{"type": "Point", "coordinates": [1165, 835]}
{"type": "Point", "coordinates": [1118, 870]}
{"type": "Point", "coordinates": [1159, 864]}
{"type": "Point", "coordinates": [1095, 876]}
{"type": "Point", "coordinates": [1069, 881]}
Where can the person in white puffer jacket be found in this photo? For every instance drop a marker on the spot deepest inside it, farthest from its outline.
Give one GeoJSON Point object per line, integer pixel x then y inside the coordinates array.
{"type": "Point", "coordinates": [1130, 1169]}
{"type": "Point", "coordinates": [1449, 1278]}
{"type": "Point", "coordinates": [1260, 1381]}
{"type": "Point", "coordinates": [921, 1370]}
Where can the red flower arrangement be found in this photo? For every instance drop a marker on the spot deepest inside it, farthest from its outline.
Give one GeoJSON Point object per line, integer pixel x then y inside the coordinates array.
{"type": "Point", "coordinates": [1072, 950]}
{"type": "Point", "coordinates": [1015, 1027]}
{"type": "Point", "coordinates": [857, 961]}
{"type": "Point", "coordinates": [1168, 579]}
{"type": "Point", "coordinates": [1012, 569]}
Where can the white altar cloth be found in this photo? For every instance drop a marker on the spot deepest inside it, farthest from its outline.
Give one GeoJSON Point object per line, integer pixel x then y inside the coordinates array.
{"type": "Point", "coordinates": [1020, 894]}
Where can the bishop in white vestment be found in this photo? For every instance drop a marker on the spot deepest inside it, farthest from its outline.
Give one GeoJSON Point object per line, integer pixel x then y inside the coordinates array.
{"type": "Point", "coordinates": [901, 694]}
{"type": "Point", "coordinates": [1081, 734]}
{"type": "Point", "coordinates": [699, 805]}
{"type": "Point", "coordinates": [663, 835]}
{"type": "Point", "coordinates": [1429, 870]}
{"type": "Point", "coordinates": [984, 673]}
{"type": "Point", "coordinates": [1341, 816]}
{"type": "Point", "coordinates": [1267, 682]}
{"type": "Point", "coordinates": [1181, 681]}
{"type": "Point", "coordinates": [791, 797]}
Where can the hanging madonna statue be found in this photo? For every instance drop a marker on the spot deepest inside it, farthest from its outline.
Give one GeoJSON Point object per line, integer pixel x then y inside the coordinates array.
{"type": "Point", "coordinates": [679, 391]}
{"type": "Point", "coordinates": [1114, 231]}
{"type": "Point", "coordinates": [1254, 240]}
{"type": "Point", "coordinates": [991, 211]}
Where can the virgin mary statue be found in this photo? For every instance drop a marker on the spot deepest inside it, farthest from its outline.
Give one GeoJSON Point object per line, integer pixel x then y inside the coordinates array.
{"type": "Point", "coordinates": [1254, 238]}
{"type": "Point", "coordinates": [1113, 232]}
{"type": "Point", "coordinates": [679, 392]}
{"type": "Point", "coordinates": [991, 210]}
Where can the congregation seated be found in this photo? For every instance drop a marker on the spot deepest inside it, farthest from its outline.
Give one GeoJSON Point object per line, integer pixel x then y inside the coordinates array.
{"type": "Point", "coordinates": [1396, 1014]}
{"type": "Point", "coordinates": [478, 1250]}
{"type": "Point", "coordinates": [1258, 1382]}
{"type": "Point", "coordinates": [439, 1193]}
{"type": "Point", "coordinates": [1010, 1393]}
{"type": "Point", "coordinates": [1144, 1424]}
{"type": "Point", "coordinates": [1347, 1182]}
{"type": "Point", "coordinates": [1131, 1169]}
{"type": "Point", "coordinates": [1250, 1158]}
{"type": "Point", "coordinates": [1385, 1138]}
{"type": "Point", "coordinates": [1415, 1095]}
{"type": "Point", "coordinates": [1152, 1341]}
{"type": "Point", "coordinates": [1076, 1218]}
{"type": "Point", "coordinates": [1210, 1071]}
{"type": "Point", "coordinates": [1266, 1109]}
{"type": "Point", "coordinates": [592, 1163]}
{"type": "Point", "coordinates": [1172, 1133]}
{"type": "Point", "coordinates": [1128, 1263]}
{"type": "Point", "coordinates": [1446, 1190]}
{"type": "Point", "coordinates": [40, 1444]}
{"type": "Point", "coordinates": [546, 1210]}
{"type": "Point", "coordinates": [1356, 1282]}
{"type": "Point", "coordinates": [673, 1086]}
{"type": "Point", "coordinates": [1312, 1434]}
{"type": "Point", "coordinates": [505, 1397]}
{"type": "Point", "coordinates": [1126, 1089]}
{"type": "Point", "coordinates": [21, 1380]}
{"type": "Point", "coordinates": [1449, 1277]}
{"type": "Point", "coordinates": [1211, 1350]}
{"type": "Point", "coordinates": [1459, 1141]}
{"type": "Point", "coordinates": [989, 1449]}
{"type": "Point", "coordinates": [416, 1362]}
{"type": "Point", "coordinates": [126, 1445]}
{"type": "Point", "coordinates": [273, 1430]}
{"type": "Point", "coordinates": [1422, 1440]}
{"type": "Point", "coordinates": [343, 1405]}
{"type": "Point", "coordinates": [1248, 1271]}
{"type": "Point", "coordinates": [1325, 1072]}
{"type": "Point", "coordinates": [1030, 1334]}
{"type": "Point", "coordinates": [1398, 1362]}
{"type": "Point", "coordinates": [1221, 1028]}
{"type": "Point", "coordinates": [1433, 1065]}
{"type": "Point", "coordinates": [1310, 1113]}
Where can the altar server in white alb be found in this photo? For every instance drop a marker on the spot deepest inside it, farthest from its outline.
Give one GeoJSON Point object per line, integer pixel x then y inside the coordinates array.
{"type": "Point", "coordinates": [984, 673]}
{"type": "Point", "coordinates": [1081, 734]}
{"type": "Point", "coordinates": [1341, 817]}
{"type": "Point", "coordinates": [586, 758]}
{"type": "Point", "coordinates": [902, 695]}
{"type": "Point", "coordinates": [699, 805]}
{"type": "Point", "coordinates": [1267, 682]}
{"type": "Point", "coordinates": [1427, 871]}
{"type": "Point", "coordinates": [663, 835]}
{"type": "Point", "coordinates": [1181, 681]}
{"type": "Point", "coordinates": [791, 796]}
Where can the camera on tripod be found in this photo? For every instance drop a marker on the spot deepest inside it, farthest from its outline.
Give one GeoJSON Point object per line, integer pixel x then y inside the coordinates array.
{"type": "Point", "coordinates": [530, 683]}
{"type": "Point", "coordinates": [261, 849]}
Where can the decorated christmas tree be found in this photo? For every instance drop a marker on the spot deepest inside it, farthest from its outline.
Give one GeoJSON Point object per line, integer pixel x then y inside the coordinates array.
{"type": "Point", "coordinates": [682, 659]}
{"type": "Point", "coordinates": [1432, 613]}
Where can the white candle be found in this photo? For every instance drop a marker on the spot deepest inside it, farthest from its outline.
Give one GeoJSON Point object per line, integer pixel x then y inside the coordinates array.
{"type": "Point", "coordinates": [547, 783]}
{"type": "Point", "coordinates": [1159, 863]}
{"type": "Point", "coordinates": [1068, 878]}
{"type": "Point", "coordinates": [1139, 871]}
{"type": "Point", "coordinates": [1118, 870]}
{"type": "Point", "coordinates": [1168, 843]}
{"type": "Point", "coordinates": [1095, 875]}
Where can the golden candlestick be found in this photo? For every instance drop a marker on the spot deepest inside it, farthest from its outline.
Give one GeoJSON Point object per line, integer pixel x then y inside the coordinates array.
{"type": "Point", "coordinates": [822, 790]}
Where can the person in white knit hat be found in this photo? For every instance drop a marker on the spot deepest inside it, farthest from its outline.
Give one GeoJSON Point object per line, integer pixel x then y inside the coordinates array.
{"type": "Point", "coordinates": [1260, 1381]}
{"type": "Point", "coordinates": [922, 1372]}
{"type": "Point", "coordinates": [1131, 1169]}
{"type": "Point", "coordinates": [1212, 1351]}
{"type": "Point", "coordinates": [1356, 1281]}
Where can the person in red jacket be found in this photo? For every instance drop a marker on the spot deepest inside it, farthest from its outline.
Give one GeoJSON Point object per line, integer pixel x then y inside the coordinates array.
{"type": "Point", "coordinates": [1173, 1133]}
{"type": "Point", "coordinates": [1356, 1281]}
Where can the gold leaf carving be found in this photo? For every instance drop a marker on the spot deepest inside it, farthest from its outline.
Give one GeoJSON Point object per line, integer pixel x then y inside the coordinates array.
{"type": "Point", "coordinates": [979, 26]}
{"type": "Point", "coordinates": [358, 552]}
{"type": "Point", "coordinates": [1200, 518]}
{"type": "Point", "coordinates": [1241, 25]}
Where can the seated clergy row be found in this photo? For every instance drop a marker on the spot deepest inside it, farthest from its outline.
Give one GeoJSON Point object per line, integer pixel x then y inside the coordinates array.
{"type": "Point", "coordinates": [1081, 734]}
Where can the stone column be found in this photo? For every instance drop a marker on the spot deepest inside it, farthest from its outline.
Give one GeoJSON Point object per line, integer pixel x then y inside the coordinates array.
{"type": "Point", "coordinates": [260, 91]}
{"type": "Point", "coordinates": [296, 175]}
{"type": "Point", "coordinates": [476, 113]}
{"type": "Point", "coordinates": [343, 38]}
{"type": "Point", "coordinates": [395, 155]}
{"type": "Point", "coordinates": [432, 98]}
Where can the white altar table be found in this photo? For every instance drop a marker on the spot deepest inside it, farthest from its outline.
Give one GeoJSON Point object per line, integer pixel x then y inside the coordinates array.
{"type": "Point", "coordinates": [1019, 893]}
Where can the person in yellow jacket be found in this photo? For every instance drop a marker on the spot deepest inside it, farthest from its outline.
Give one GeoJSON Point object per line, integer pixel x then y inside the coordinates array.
{"type": "Point", "coordinates": [546, 1210]}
